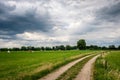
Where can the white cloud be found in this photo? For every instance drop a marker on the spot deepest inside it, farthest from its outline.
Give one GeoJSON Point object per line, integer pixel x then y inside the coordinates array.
{"type": "Point", "coordinates": [31, 36]}
{"type": "Point", "coordinates": [40, 37]}
{"type": "Point", "coordinates": [9, 43]}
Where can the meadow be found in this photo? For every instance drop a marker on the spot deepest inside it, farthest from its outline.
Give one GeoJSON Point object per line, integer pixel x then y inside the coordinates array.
{"type": "Point", "coordinates": [29, 65]}
{"type": "Point", "coordinates": [108, 67]}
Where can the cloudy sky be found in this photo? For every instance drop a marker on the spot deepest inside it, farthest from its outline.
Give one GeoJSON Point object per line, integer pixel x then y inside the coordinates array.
{"type": "Point", "coordinates": [56, 22]}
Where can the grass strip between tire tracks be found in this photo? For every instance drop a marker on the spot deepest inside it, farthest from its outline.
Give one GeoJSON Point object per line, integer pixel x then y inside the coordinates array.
{"type": "Point", "coordinates": [71, 73]}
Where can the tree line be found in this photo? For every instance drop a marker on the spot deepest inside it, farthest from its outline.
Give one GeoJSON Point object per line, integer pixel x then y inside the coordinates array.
{"type": "Point", "coordinates": [81, 45]}
{"type": "Point", "coordinates": [32, 48]}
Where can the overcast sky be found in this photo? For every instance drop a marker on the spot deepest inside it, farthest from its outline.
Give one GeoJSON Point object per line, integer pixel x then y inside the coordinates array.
{"type": "Point", "coordinates": [57, 22]}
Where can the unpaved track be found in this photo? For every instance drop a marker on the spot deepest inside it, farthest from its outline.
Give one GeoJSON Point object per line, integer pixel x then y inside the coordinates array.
{"type": "Point", "coordinates": [54, 75]}
{"type": "Point", "coordinates": [86, 71]}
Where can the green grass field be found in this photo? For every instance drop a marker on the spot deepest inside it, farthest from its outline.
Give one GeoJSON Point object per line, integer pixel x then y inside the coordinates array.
{"type": "Point", "coordinates": [17, 65]}
{"type": "Point", "coordinates": [108, 67]}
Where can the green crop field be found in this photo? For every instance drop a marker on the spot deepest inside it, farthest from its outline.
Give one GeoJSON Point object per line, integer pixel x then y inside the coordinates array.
{"type": "Point", "coordinates": [17, 65]}
{"type": "Point", "coordinates": [108, 67]}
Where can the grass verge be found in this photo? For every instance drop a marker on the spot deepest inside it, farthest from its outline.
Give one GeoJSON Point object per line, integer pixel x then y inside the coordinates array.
{"type": "Point", "coordinates": [108, 67]}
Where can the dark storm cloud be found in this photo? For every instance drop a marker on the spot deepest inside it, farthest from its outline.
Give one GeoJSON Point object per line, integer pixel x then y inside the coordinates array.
{"type": "Point", "coordinates": [109, 13]}
{"type": "Point", "coordinates": [103, 17]}
{"type": "Point", "coordinates": [14, 23]}
{"type": "Point", "coordinates": [22, 23]}
{"type": "Point", "coordinates": [4, 9]}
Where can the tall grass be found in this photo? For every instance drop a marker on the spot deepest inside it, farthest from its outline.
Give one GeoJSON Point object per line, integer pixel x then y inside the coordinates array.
{"type": "Point", "coordinates": [108, 67]}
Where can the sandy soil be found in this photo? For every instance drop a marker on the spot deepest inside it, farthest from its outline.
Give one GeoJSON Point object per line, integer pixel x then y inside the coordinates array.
{"type": "Point", "coordinates": [54, 75]}
{"type": "Point", "coordinates": [86, 71]}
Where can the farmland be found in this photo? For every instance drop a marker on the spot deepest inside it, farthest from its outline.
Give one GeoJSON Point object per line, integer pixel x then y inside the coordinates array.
{"type": "Point", "coordinates": [17, 65]}
{"type": "Point", "coordinates": [108, 67]}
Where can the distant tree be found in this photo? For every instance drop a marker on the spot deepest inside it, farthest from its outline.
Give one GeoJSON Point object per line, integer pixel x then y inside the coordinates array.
{"type": "Point", "coordinates": [15, 49]}
{"type": "Point", "coordinates": [42, 48]}
{"type": "Point", "coordinates": [104, 48]}
{"type": "Point", "coordinates": [53, 48]}
{"type": "Point", "coordinates": [48, 48]}
{"type": "Point", "coordinates": [4, 49]}
{"type": "Point", "coordinates": [119, 47]}
{"type": "Point", "coordinates": [57, 48]}
{"type": "Point", "coordinates": [87, 47]}
{"type": "Point", "coordinates": [29, 48]}
{"type": "Point", "coordinates": [23, 48]}
{"type": "Point", "coordinates": [73, 47]}
{"type": "Point", "coordinates": [94, 47]}
{"type": "Point", "coordinates": [37, 49]}
{"type": "Point", "coordinates": [68, 47]}
{"type": "Point", "coordinates": [81, 44]}
{"type": "Point", "coordinates": [10, 49]}
{"type": "Point", "coordinates": [32, 48]}
{"type": "Point", "coordinates": [62, 47]}
{"type": "Point", "coordinates": [112, 47]}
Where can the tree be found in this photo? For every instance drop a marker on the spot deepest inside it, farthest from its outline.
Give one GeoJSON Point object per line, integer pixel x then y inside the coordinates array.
{"type": "Point", "coordinates": [4, 49]}
{"type": "Point", "coordinates": [29, 48]}
{"type": "Point", "coordinates": [37, 49]}
{"type": "Point", "coordinates": [81, 44]}
{"type": "Point", "coordinates": [42, 48]}
{"type": "Point", "coordinates": [48, 48]}
{"type": "Point", "coordinates": [15, 49]}
{"type": "Point", "coordinates": [23, 48]}
{"type": "Point", "coordinates": [57, 48]}
{"type": "Point", "coordinates": [93, 47]}
{"type": "Point", "coordinates": [112, 47]}
{"type": "Point", "coordinates": [61, 47]}
{"type": "Point", "coordinates": [68, 47]}
{"type": "Point", "coordinates": [32, 48]}
{"type": "Point", "coordinates": [53, 48]}
{"type": "Point", "coordinates": [73, 47]}
{"type": "Point", "coordinates": [104, 48]}
{"type": "Point", "coordinates": [119, 47]}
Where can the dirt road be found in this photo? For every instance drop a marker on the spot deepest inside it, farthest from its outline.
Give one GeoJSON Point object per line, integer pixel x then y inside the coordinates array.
{"type": "Point", "coordinates": [86, 71]}
{"type": "Point", "coordinates": [54, 75]}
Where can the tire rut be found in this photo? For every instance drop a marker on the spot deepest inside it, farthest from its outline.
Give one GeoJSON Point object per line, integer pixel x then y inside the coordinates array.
{"type": "Point", "coordinates": [86, 71]}
{"type": "Point", "coordinates": [54, 75]}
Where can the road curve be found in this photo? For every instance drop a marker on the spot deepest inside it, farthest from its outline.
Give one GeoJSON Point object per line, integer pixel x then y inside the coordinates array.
{"type": "Point", "coordinates": [54, 75]}
{"type": "Point", "coordinates": [86, 71]}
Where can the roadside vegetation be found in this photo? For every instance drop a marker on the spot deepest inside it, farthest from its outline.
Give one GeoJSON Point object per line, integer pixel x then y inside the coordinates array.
{"type": "Point", "coordinates": [107, 67]}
